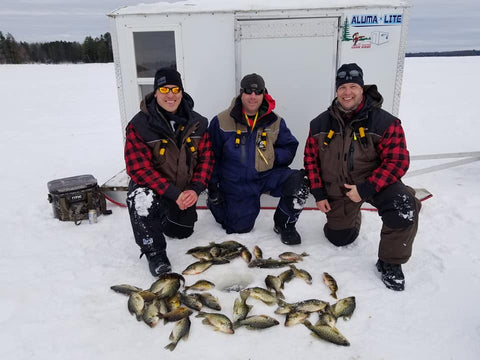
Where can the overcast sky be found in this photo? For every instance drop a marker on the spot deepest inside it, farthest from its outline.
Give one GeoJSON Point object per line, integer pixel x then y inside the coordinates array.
{"type": "Point", "coordinates": [434, 24]}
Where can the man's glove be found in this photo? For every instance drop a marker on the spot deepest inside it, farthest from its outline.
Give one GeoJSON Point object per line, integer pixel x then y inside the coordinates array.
{"type": "Point", "coordinates": [215, 196]}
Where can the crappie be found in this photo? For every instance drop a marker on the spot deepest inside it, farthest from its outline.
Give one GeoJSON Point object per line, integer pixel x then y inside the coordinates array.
{"type": "Point", "coordinates": [344, 307]}
{"type": "Point", "coordinates": [257, 322]}
{"type": "Point", "coordinates": [311, 305]}
{"type": "Point", "coordinates": [326, 318]}
{"type": "Point", "coordinates": [201, 285]}
{"type": "Point", "coordinates": [240, 307]}
{"type": "Point", "coordinates": [166, 289]}
{"type": "Point", "coordinates": [219, 321]}
{"type": "Point", "coordinates": [302, 274]}
{"type": "Point", "coordinates": [288, 255]}
{"type": "Point", "coordinates": [151, 314]}
{"type": "Point", "coordinates": [148, 296]}
{"type": "Point", "coordinates": [308, 306]}
{"type": "Point", "coordinates": [175, 315]}
{"type": "Point", "coordinates": [257, 252]}
{"type": "Point", "coordinates": [191, 300]}
{"type": "Point", "coordinates": [181, 330]}
{"type": "Point", "coordinates": [328, 333]}
{"type": "Point", "coordinates": [197, 267]}
{"type": "Point", "coordinates": [295, 317]}
{"type": "Point", "coordinates": [125, 289]}
{"type": "Point", "coordinates": [203, 255]}
{"type": "Point", "coordinates": [209, 300]}
{"type": "Point", "coordinates": [331, 283]}
{"type": "Point", "coordinates": [246, 255]}
{"type": "Point", "coordinates": [285, 276]}
{"type": "Point", "coordinates": [161, 304]}
{"type": "Point", "coordinates": [136, 305]}
{"type": "Point", "coordinates": [167, 284]}
{"type": "Point", "coordinates": [274, 283]}
{"type": "Point", "coordinates": [262, 294]}
{"type": "Point", "coordinates": [173, 302]}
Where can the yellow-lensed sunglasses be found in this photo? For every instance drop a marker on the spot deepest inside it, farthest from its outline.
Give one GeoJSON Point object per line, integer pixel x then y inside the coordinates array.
{"type": "Point", "coordinates": [166, 90]}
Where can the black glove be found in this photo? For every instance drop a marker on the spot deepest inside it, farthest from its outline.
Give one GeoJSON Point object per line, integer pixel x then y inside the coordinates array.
{"type": "Point", "coordinates": [215, 196]}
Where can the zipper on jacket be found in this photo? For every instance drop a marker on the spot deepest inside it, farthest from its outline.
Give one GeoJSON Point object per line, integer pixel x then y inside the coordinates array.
{"type": "Point", "coordinates": [350, 157]}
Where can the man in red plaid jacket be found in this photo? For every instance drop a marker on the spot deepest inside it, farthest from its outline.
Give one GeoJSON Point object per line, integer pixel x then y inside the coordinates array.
{"type": "Point", "coordinates": [356, 152]}
{"type": "Point", "coordinates": [168, 155]}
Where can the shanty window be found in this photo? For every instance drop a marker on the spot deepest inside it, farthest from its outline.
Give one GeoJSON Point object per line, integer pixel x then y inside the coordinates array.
{"type": "Point", "coordinates": [154, 50]}
{"type": "Point", "coordinates": [146, 89]}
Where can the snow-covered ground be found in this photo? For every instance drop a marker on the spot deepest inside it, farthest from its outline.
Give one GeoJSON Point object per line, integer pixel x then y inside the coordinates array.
{"type": "Point", "coordinates": [56, 301]}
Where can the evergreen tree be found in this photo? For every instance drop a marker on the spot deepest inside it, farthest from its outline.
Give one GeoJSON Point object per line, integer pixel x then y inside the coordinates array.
{"type": "Point", "coordinates": [89, 50]}
{"type": "Point", "coordinates": [11, 50]}
{"type": "Point", "coordinates": [3, 59]}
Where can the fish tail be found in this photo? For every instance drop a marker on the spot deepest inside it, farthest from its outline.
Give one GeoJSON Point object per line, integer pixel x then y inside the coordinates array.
{"type": "Point", "coordinates": [171, 346]}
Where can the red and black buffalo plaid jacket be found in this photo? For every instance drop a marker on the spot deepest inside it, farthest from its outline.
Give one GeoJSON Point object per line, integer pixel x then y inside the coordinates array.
{"type": "Point", "coordinates": [371, 162]}
{"type": "Point", "coordinates": [165, 159]}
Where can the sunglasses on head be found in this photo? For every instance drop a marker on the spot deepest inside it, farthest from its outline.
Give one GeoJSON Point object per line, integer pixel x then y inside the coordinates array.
{"type": "Point", "coordinates": [349, 74]}
{"type": "Point", "coordinates": [166, 90]}
{"type": "Point", "coordinates": [250, 90]}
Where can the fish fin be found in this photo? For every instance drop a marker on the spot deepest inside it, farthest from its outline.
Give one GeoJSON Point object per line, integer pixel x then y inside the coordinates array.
{"type": "Point", "coordinates": [281, 302]}
{"type": "Point", "coordinates": [206, 322]}
{"type": "Point", "coordinates": [171, 346]}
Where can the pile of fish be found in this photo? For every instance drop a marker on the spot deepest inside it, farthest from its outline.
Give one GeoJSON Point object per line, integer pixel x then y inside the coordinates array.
{"type": "Point", "coordinates": [170, 300]}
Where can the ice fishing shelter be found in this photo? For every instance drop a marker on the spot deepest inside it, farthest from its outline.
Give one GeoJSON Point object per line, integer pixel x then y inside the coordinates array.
{"type": "Point", "coordinates": [295, 45]}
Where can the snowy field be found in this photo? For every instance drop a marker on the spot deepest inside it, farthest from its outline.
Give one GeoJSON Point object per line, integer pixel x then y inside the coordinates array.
{"type": "Point", "coordinates": [56, 301]}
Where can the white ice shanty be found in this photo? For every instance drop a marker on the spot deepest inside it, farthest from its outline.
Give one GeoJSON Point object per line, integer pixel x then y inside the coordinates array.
{"type": "Point", "coordinates": [295, 45]}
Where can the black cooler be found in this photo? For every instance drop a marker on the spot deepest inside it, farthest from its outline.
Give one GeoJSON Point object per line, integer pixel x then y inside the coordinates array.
{"type": "Point", "coordinates": [73, 197]}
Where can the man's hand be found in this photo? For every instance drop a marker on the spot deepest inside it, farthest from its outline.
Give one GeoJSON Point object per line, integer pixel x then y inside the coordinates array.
{"type": "Point", "coordinates": [353, 193]}
{"type": "Point", "coordinates": [186, 199]}
{"type": "Point", "coordinates": [323, 206]}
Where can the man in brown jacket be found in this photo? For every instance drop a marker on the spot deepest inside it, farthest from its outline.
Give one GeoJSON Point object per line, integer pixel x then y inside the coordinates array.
{"type": "Point", "coordinates": [356, 152]}
{"type": "Point", "coordinates": [168, 155]}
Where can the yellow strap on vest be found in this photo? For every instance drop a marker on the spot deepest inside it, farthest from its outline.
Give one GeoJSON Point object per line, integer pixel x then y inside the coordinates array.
{"type": "Point", "coordinates": [237, 137]}
{"type": "Point", "coordinates": [163, 145]}
{"type": "Point", "coordinates": [190, 145]}
{"type": "Point", "coordinates": [329, 137]}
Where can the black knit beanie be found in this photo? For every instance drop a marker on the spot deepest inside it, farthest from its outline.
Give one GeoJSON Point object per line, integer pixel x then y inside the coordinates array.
{"type": "Point", "coordinates": [167, 76]}
{"type": "Point", "coordinates": [349, 73]}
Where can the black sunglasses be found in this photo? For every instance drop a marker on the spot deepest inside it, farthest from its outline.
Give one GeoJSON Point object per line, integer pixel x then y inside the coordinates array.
{"type": "Point", "coordinates": [250, 90]}
{"type": "Point", "coordinates": [349, 75]}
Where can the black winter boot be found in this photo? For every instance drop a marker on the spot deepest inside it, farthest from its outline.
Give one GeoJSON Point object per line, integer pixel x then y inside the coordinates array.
{"type": "Point", "coordinates": [158, 262]}
{"type": "Point", "coordinates": [392, 275]}
{"type": "Point", "coordinates": [286, 229]}
{"type": "Point", "coordinates": [288, 234]}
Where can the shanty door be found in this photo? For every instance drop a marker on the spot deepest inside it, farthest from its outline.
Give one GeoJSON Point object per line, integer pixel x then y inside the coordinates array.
{"type": "Point", "coordinates": [297, 58]}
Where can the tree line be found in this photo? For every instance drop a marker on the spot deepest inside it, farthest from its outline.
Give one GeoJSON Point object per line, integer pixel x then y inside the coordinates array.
{"type": "Point", "coordinates": [444, 53]}
{"type": "Point", "coordinates": [91, 50]}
